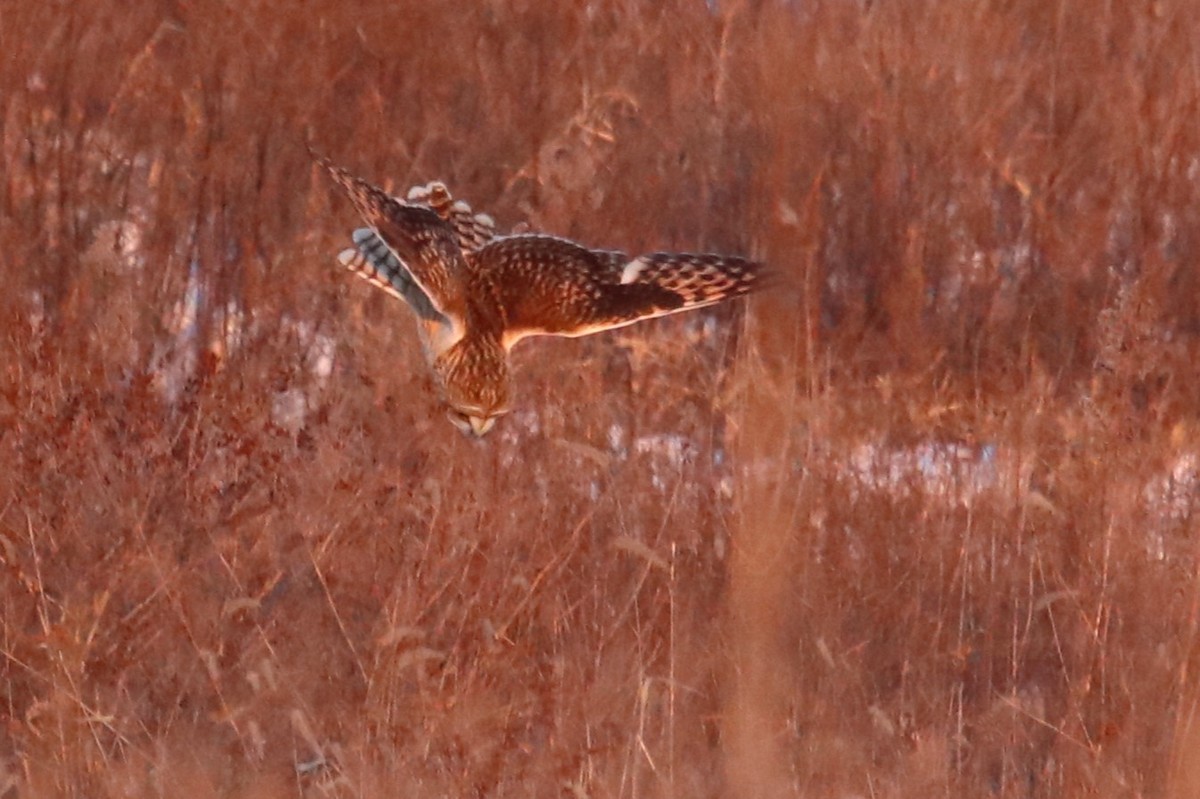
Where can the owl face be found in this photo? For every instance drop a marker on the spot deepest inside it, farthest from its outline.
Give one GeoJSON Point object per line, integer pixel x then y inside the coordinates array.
{"type": "Point", "coordinates": [473, 377]}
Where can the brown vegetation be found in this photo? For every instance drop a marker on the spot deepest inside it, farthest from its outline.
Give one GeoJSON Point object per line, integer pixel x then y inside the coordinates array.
{"type": "Point", "coordinates": [920, 523]}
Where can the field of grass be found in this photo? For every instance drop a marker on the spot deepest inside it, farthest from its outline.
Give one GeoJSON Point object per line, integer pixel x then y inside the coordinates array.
{"type": "Point", "coordinates": [924, 521]}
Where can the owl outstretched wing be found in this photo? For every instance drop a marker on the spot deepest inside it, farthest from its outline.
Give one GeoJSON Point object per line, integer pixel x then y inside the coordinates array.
{"type": "Point", "coordinates": [551, 286]}
{"type": "Point", "coordinates": [371, 260]}
{"type": "Point", "coordinates": [422, 243]}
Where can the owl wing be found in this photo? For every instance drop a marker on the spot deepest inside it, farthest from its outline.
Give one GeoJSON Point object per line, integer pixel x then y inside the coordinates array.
{"type": "Point", "coordinates": [371, 260]}
{"type": "Point", "coordinates": [422, 243]}
{"type": "Point", "coordinates": [551, 286]}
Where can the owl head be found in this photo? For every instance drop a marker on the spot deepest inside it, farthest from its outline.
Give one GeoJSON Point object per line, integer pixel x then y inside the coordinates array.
{"type": "Point", "coordinates": [474, 381]}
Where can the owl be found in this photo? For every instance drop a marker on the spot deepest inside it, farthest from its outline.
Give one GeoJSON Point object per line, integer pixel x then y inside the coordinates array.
{"type": "Point", "coordinates": [476, 293]}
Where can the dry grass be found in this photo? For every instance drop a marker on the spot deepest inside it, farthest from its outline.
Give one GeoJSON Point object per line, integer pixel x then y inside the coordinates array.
{"type": "Point", "coordinates": [922, 523]}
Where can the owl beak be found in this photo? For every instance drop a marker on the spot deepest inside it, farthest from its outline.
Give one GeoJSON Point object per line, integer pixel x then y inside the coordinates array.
{"type": "Point", "coordinates": [480, 424]}
{"type": "Point", "coordinates": [473, 426]}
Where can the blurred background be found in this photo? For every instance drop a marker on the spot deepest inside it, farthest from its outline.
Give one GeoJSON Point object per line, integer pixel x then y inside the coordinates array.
{"type": "Point", "coordinates": [921, 521]}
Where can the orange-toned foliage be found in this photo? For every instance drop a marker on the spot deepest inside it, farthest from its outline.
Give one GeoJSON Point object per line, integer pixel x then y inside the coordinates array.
{"type": "Point", "coordinates": [920, 522]}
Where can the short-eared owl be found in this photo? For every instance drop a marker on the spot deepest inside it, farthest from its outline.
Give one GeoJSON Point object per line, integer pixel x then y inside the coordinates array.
{"type": "Point", "coordinates": [476, 293]}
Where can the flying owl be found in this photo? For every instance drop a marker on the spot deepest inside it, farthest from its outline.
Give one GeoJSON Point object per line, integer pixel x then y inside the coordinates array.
{"type": "Point", "coordinates": [477, 293]}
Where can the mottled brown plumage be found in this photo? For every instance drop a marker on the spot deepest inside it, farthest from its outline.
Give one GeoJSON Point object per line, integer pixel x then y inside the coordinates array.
{"type": "Point", "coordinates": [476, 294]}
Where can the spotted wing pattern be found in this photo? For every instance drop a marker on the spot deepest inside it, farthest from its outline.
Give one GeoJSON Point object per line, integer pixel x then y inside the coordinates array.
{"type": "Point", "coordinates": [550, 286]}
{"type": "Point", "coordinates": [371, 259]}
{"type": "Point", "coordinates": [421, 241]}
